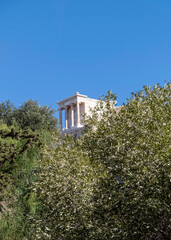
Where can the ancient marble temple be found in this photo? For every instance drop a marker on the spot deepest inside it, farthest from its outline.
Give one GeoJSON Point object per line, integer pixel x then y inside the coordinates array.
{"type": "Point", "coordinates": [74, 107]}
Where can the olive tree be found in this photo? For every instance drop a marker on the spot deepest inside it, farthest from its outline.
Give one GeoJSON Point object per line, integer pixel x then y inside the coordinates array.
{"type": "Point", "coordinates": [64, 188]}
{"type": "Point", "coordinates": [113, 182]}
{"type": "Point", "coordinates": [133, 200]}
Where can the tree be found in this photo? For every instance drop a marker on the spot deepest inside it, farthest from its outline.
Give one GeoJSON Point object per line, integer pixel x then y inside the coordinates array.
{"type": "Point", "coordinates": [13, 143]}
{"type": "Point", "coordinates": [64, 188]}
{"type": "Point", "coordinates": [28, 115]}
{"type": "Point", "coordinates": [19, 149]}
{"type": "Point", "coordinates": [113, 182]}
{"type": "Point", "coordinates": [6, 112]}
{"type": "Point", "coordinates": [23, 132]}
{"type": "Point", "coordinates": [31, 115]}
{"type": "Point", "coordinates": [133, 201]}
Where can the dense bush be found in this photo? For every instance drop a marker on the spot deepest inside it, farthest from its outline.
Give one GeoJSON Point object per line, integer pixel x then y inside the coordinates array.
{"type": "Point", "coordinates": [23, 132]}
{"type": "Point", "coordinates": [18, 151]}
{"type": "Point", "coordinates": [13, 142]}
{"type": "Point", "coordinates": [17, 201]}
{"type": "Point", "coordinates": [133, 202]}
{"type": "Point", "coordinates": [114, 182]}
{"type": "Point", "coordinates": [65, 190]}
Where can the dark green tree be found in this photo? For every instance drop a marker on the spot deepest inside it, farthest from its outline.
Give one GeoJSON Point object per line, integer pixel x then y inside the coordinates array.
{"type": "Point", "coordinates": [28, 115]}
{"type": "Point", "coordinates": [23, 132]}
{"type": "Point", "coordinates": [6, 112]}
{"type": "Point", "coordinates": [36, 117]}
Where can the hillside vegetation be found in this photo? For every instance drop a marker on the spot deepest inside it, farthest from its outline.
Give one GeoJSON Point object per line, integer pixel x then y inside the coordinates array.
{"type": "Point", "coordinates": [111, 183]}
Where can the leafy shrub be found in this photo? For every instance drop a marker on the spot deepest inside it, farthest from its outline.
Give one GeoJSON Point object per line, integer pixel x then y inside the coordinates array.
{"type": "Point", "coordinates": [112, 183]}
{"type": "Point", "coordinates": [133, 202]}
{"type": "Point", "coordinates": [64, 188]}
{"type": "Point", "coordinates": [23, 132]}
{"type": "Point", "coordinates": [17, 199]}
{"type": "Point", "coordinates": [13, 143]}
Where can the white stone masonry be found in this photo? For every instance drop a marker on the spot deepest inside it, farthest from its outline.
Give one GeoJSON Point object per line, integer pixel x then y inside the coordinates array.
{"type": "Point", "coordinates": [75, 107]}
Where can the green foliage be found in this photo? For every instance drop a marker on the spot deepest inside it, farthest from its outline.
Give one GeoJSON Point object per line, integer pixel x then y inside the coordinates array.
{"type": "Point", "coordinates": [29, 115]}
{"type": "Point", "coordinates": [133, 202]}
{"type": "Point", "coordinates": [13, 143]}
{"type": "Point", "coordinates": [112, 183]}
{"type": "Point", "coordinates": [18, 200]}
{"type": "Point", "coordinates": [64, 188]}
{"type": "Point", "coordinates": [23, 131]}
{"type": "Point", "coordinates": [6, 112]}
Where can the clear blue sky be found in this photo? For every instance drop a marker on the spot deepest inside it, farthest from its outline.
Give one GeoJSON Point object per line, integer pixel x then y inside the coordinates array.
{"type": "Point", "coordinates": [49, 49]}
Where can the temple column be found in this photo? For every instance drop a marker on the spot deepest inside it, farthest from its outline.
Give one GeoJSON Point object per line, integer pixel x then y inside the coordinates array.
{"type": "Point", "coordinates": [78, 114]}
{"type": "Point", "coordinates": [66, 118]}
{"type": "Point", "coordinates": [72, 116]}
{"type": "Point", "coordinates": [60, 118]}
